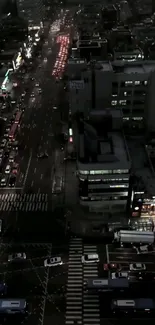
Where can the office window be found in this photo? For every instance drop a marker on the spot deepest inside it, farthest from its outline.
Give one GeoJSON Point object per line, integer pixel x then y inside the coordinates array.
{"type": "Point", "coordinates": [114, 102]}
{"type": "Point", "coordinates": [122, 102]}
{"type": "Point", "coordinates": [137, 82]}
{"type": "Point", "coordinates": [120, 171]}
{"type": "Point", "coordinates": [83, 172]}
{"type": "Point", "coordinates": [128, 82]}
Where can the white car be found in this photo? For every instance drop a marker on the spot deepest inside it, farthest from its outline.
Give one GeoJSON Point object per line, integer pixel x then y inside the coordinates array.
{"type": "Point", "coordinates": [17, 257]}
{"type": "Point", "coordinates": [8, 169]}
{"type": "Point", "coordinates": [3, 182]}
{"type": "Point", "coordinates": [90, 258]}
{"type": "Point", "coordinates": [144, 249]}
{"type": "Point", "coordinates": [53, 261]}
{"type": "Point", "coordinates": [116, 275]}
{"type": "Point", "coordinates": [137, 267]}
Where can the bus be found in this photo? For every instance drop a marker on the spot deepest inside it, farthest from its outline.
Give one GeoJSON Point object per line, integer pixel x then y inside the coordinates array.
{"type": "Point", "coordinates": [13, 132]}
{"type": "Point", "coordinates": [13, 306]}
{"type": "Point", "coordinates": [142, 305]}
{"type": "Point", "coordinates": [108, 284]}
{"type": "Point", "coordinates": [18, 117]}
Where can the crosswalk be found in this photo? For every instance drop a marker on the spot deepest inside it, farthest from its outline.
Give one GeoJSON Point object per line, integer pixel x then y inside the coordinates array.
{"type": "Point", "coordinates": [91, 305]}
{"type": "Point", "coordinates": [74, 283]}
{"type": "Point", "coordinates": [81, 307]}
{"type": "Point", "coordinates": [23, 202]}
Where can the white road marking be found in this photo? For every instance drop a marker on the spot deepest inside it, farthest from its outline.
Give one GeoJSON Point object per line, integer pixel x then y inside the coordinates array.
{"type": "Point", "coordinates": [107, 254]}
{"type": "Point", "coordinates": [41, 176]}
{"type": "Point", "coordinates": [32, 183]}
{"type": "Point", "coordinates": [35, 170]}
{"type": "Point", "coordinates": [27, 170]}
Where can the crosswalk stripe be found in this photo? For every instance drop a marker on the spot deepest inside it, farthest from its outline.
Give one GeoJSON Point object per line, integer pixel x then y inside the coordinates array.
{"type": "Point", "coordinates": [26, 202]}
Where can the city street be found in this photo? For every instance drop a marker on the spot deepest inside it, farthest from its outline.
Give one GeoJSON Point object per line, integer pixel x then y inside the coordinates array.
{"type": "Point", "coordinates": [43, 288]}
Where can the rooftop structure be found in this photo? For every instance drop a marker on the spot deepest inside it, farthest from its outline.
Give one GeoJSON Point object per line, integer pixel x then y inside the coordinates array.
{"type": "Point", "coordinates": [103, 164]}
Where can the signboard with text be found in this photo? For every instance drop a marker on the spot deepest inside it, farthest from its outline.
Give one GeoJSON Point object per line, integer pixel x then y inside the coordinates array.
{"type": "Point", "coordinates": [76, 84]}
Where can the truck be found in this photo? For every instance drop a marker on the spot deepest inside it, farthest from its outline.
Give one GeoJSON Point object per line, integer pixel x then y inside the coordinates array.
{"type": "Point", "coordinates": [130, 236]}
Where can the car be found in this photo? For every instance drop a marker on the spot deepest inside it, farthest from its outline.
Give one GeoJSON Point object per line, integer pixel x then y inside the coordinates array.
{"type": "Point", "coordinates": [17, 257]}
{"type": "Point", "coordinates": [3, 182]}
{"type": "Point", "coordinates": [12, 181]}
{"type": "Point", "coordinates": [15, 145]}
{"type": "Point", "coordinates": [112, 266]}
{"type": "Point", "coordinates": [54, 107]}
{"type": "Point", "coordinates": [137, 267]}
{"type": "Point", "coordinates": [53, 261]}
{"type": "Point", "coordinates": [144, 249]}
{"type": "Point", "coordinates": [8, 169]}
{"type": "Point", "coordinates": [3, 143]}
{"type": "Point", "coordinates": [37, 84]}
{"type": "Point", "coordinates": [115, 275]}
{"type": "Point", "coordinates": [32, 95]}
{"type": "Point", "coordinates": [6, 135]}
{"type": "Point", "coordinates": [12, 156]}
{"type": "Point", "coordinates": [90, 258]}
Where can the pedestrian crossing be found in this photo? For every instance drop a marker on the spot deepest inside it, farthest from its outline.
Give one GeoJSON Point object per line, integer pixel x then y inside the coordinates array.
{"type": "Point", "coordinates": [91, 305]}
{"type": "Point", "coordinates": [74, 283]}
{"type": "Point", "coordinates": [23, 202]}
{"type": "Point", "coordinates": [81, 307]}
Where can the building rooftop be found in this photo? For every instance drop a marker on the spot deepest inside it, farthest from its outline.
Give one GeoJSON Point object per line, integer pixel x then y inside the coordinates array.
{"type": "Point", "coordinates": [134, 67]}
{"type": "Point", "coordinates": [99, 152]}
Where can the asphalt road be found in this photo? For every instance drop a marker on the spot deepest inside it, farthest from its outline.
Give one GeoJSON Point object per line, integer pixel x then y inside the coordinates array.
{"type": "Point", "coordinates": [35, 283]}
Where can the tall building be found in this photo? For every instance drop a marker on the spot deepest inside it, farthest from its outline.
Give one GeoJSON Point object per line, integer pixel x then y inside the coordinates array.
{"type": "Point", "coordinates": [33, 11]}
{"type": "Point", "coordinates": [128, 86]}
{"type": "Point", "coordinates": [103, 164]}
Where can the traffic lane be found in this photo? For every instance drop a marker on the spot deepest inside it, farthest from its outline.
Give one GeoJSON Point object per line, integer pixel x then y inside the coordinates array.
{"type": "Point", "coordinates": [127, 255]}
{"type": "Point", "coordinates": [124, 258]}
{"type": "Point", "coordinates": [39, 177]}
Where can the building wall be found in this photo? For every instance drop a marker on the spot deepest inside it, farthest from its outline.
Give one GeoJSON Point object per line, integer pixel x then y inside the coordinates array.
{"type": "Point", "coordinates": [132, 92]}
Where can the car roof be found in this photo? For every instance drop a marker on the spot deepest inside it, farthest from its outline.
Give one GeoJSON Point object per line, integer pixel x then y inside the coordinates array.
{"type": "Point", "coordinates": [92, 255]}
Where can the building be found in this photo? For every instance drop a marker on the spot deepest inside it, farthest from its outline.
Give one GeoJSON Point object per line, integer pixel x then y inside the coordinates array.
{"type": "Point", "coordinates": [33, 11]}
{"type": "Point", "coordinates": [13, 29]}
{"type": "Point", "coordinates": [103, 164]}
{"type": "Point", "coordinates": [126, 85]}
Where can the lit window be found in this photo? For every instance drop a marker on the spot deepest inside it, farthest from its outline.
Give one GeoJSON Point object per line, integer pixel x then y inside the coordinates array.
{"type": "Point", "coordinates": [129, 82]}
{"type": "Point", "coordinates": [138, 118]}
{"type": "Point", "coordinates": [83, 172]}
{"type": "Point", "coordinates": [122, 102]}
{"type": "Point", "coordinates": [145, 82]}
{"type": "Point", "coordinates": [114, 102]}
{"type": "Point", "coordinates": [137, 82]}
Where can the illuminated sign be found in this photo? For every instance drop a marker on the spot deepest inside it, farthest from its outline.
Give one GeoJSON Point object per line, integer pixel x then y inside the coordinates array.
{"type": "Point", "coordinates": [6, 80]}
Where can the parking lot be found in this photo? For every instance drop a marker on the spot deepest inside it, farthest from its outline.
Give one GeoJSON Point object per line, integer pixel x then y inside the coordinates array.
{"type": "Point", "coordinates": [127, 255]}
{"type": "Point", "coordinates": [43, 288]}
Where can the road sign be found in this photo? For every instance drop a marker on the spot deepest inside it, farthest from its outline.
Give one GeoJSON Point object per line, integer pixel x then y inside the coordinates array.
{"type": "Point", "coordinates": [77, 84]}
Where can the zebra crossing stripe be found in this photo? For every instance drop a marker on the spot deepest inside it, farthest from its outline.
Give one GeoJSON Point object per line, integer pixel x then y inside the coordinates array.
{"type": "Point", "coordinates": [91, 305]}
{"type": "Point", "coordinates": [74, 283]}
{"type": "Point", "coordinates": [26, 202]}
{"type": "Point", "coordinates": [39, 197]}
